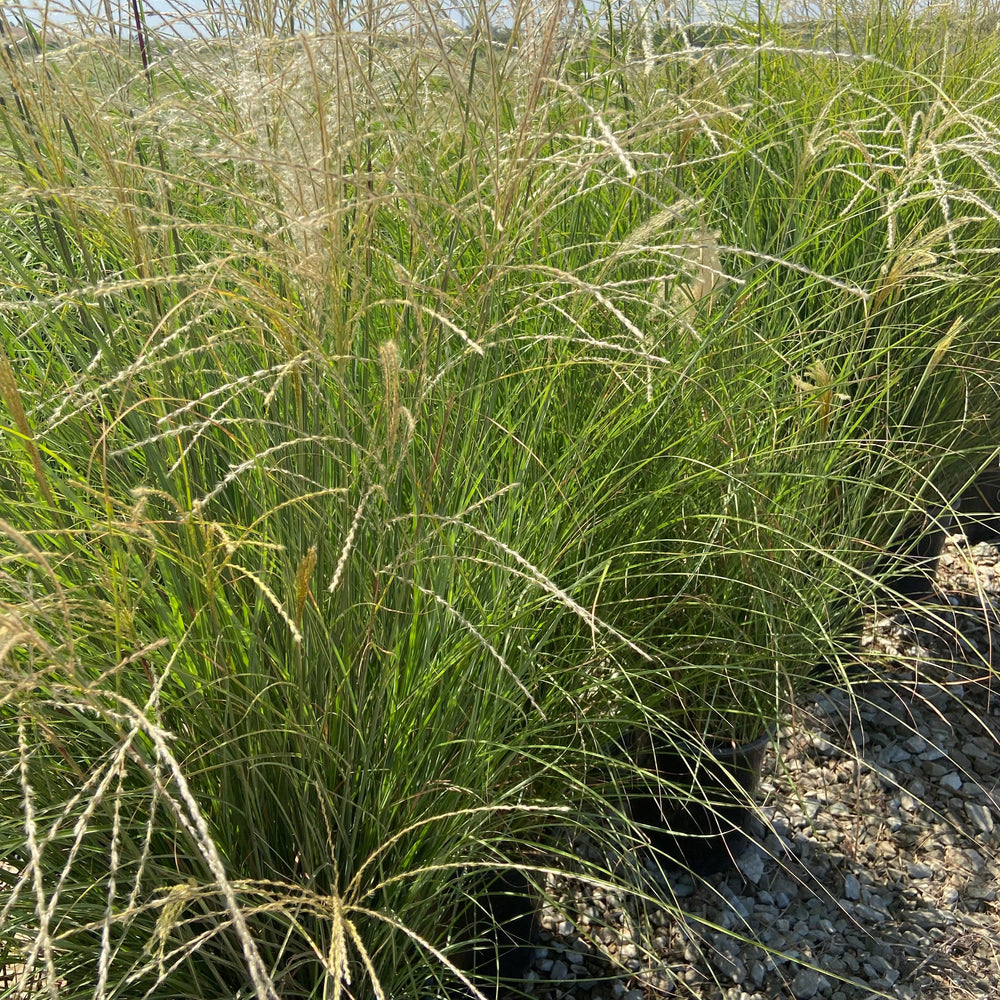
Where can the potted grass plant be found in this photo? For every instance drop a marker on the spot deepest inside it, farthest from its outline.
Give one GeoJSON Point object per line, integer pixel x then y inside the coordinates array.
{"type": "Point", "coordinates": [729, 536]}
{"type": "Point", "coordinates": [281, 519]}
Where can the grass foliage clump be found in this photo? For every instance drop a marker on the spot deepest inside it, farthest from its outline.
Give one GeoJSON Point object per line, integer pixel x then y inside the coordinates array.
{"type": "Point", "coordinates": [397, 411]}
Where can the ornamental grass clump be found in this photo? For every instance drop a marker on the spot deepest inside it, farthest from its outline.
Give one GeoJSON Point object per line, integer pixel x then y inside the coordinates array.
{"type": "Point", "coordinates": [398, 417]}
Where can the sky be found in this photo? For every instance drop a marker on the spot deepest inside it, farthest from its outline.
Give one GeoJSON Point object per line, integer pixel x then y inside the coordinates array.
{"type": "Point", "coordinates": [184, 18]}
{"type": "Point", "coordinates": [166, 13]}
{"type": "Point", "coordinates": [188, 18]}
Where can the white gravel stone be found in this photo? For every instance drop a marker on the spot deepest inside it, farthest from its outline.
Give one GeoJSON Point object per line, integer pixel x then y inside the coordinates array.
{"type": "Point", "coordinates": [952, 781]}
{"type": "Point", "coordinates": [559, 970]}
{"type": "Point", "coordinates": [868, 914]}
{"type": "Point", "coordinates": [980, 815]}
{"type": "Point", "coordinates": [852, 887]}
{"type": "Point", "coordinates": [752, 866]}
{"type": "Point", "coordinates": [808, 983]}
{"type": "Point", "coordinates": [730, 967]}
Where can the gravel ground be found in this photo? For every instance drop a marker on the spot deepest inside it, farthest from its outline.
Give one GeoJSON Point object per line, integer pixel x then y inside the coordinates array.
{"type": "Point", "coordinates": [873, 868]}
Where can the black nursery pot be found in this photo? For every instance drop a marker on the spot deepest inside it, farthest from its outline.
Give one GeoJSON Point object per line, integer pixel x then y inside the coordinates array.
{"type": "Point", "coordinates": [501, 923]}
{"type": "Point", "coordinates": [978, 515]}
{"type": "Point", "coordinates": [914, 563]}
{"type": "Point", "coordinates": [696, 819]}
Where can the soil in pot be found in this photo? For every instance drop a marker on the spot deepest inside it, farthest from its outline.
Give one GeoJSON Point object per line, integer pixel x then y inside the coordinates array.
{"type": "Point", "coordinates": [695, 807]}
